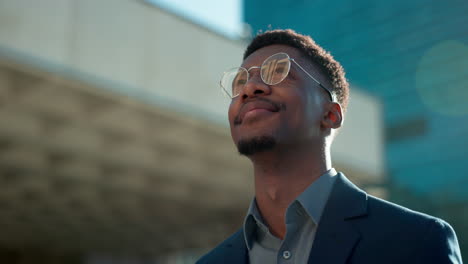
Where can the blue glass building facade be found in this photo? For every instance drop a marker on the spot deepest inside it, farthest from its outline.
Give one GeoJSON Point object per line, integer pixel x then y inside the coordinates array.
{"type": "Point", "coordinates": [413, 55]}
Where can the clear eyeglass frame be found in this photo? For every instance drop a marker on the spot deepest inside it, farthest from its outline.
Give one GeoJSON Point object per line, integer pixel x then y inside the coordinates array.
{"type": "Point", "coordinates": [273, 70]}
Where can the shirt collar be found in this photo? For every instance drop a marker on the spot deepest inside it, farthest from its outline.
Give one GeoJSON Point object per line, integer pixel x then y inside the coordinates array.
{"type": "Point", "coordinates": [315, 197]}
{"type": "Point", "coordinates": [313, 201]}
{"type": "Point", "coordinates": [252, 221]}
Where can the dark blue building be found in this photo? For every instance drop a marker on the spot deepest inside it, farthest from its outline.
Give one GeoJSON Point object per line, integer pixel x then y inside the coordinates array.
{"type": "Point", "coordinates": [414, 56]}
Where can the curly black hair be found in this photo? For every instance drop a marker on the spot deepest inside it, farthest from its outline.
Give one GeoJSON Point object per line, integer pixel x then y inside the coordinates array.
{"type": "Point", "coordinates": [316, 54]}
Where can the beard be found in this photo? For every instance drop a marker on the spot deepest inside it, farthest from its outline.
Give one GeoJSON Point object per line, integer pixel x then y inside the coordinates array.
{"type": "Point", "coordinates": [248, 147]}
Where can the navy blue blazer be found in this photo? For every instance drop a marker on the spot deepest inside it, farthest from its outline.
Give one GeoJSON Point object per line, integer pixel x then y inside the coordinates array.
{"type": "Point", "coordinates": [359, 228]}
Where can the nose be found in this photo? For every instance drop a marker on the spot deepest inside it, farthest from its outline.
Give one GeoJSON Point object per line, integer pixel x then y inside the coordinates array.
{"type": "Point", "coordinates": [255, 87]}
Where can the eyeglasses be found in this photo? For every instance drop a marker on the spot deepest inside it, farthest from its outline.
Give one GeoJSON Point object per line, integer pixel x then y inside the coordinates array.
{"type": "Point", "coordinates": [273, 71]}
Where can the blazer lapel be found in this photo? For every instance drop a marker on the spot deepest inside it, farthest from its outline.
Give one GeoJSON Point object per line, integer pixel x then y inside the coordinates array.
{"type": "Point", "coordinates": [336, 237]}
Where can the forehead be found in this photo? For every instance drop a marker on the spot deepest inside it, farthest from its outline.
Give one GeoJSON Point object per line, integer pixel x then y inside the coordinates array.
{"type": "Point", "coordinates": [257, 57]}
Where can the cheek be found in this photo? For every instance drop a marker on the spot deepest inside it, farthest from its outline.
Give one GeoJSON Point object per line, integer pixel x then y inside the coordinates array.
{"type": "Point", "coordinates": [314, 117]}
{"type": "Point", "coordinates": [231, 113]}
{"type": "Point", "coordinates": [306, 112]}
{"type": "Point", "coordinates": [302, 102]}
{"type": "Point", "coordinates": [231, 116]}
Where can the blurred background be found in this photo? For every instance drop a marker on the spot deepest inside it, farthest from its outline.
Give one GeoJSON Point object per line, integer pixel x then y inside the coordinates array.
{"type": "Point", "coordinates": [114, 140]}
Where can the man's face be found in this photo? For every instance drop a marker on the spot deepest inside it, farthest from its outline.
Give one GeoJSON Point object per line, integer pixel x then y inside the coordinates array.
{"type": "Point", "coordinates": [289, 113]}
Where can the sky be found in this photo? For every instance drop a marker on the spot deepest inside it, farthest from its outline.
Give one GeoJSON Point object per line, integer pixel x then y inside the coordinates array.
{"type": "Point", "coordinates": [224, 16]}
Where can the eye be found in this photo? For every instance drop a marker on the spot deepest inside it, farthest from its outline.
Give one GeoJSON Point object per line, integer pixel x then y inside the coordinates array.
{"type": "Point", "coordinates": [240, 82]}
{"type": "Point", "coordinates": [279, 70]}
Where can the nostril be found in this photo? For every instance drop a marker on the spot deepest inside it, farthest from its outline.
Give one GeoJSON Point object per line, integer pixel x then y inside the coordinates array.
{"type": "Point", "coordinates": [258, 91]}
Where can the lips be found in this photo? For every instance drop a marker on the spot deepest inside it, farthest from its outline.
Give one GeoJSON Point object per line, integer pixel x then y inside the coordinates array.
{"type": "Point", "coordinates": [256, 105]}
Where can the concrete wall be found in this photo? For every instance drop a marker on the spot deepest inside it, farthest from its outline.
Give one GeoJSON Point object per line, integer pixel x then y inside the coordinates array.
{"type": "Point", "coordinates": [133, 47]}
{"type": "Point", "coordinates": [137, 49]}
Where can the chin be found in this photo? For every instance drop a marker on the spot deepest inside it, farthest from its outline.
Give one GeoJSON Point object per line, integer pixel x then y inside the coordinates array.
{"type": "Point", "coordinates": [257, 144]}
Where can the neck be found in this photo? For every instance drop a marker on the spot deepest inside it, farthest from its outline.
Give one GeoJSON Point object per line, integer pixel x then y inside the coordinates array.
{"type": "Point", "coordinates": [280, 177]}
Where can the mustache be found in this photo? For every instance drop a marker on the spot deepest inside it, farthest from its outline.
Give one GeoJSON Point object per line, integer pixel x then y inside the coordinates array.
{"type": "Point", "coordinates": [278, 107]}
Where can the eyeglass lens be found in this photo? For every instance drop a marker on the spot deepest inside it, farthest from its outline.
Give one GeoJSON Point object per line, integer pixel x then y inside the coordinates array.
{"type": "Point", "coordinates": [273, 70]}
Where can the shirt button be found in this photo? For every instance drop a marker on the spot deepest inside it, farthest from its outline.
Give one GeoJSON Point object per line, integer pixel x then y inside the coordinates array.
{"type": "Point", "coordinates": [286, 254]}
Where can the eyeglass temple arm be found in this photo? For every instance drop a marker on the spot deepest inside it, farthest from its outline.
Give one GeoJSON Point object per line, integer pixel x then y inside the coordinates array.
{"type": "Point", "coordinates": [332, 97]}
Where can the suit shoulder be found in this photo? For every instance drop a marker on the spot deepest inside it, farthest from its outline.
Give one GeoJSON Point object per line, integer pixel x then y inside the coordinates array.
{"type": "Point", "coordinates": [428, 239]}
{"type": "Point", "coordinates": [217, 254]}
{"type": "Point", "coordinates": [392, 211]}
{"type": "Point", "coordinates": [442, 243]}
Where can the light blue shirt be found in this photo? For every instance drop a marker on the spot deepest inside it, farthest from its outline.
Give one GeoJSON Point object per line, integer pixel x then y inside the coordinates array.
{"type": "Point", "coordinates": [302, 219]}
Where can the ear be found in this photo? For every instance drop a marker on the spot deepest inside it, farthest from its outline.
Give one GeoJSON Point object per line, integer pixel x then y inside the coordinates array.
{"type": "Point", "coordinates": [333, 115]}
